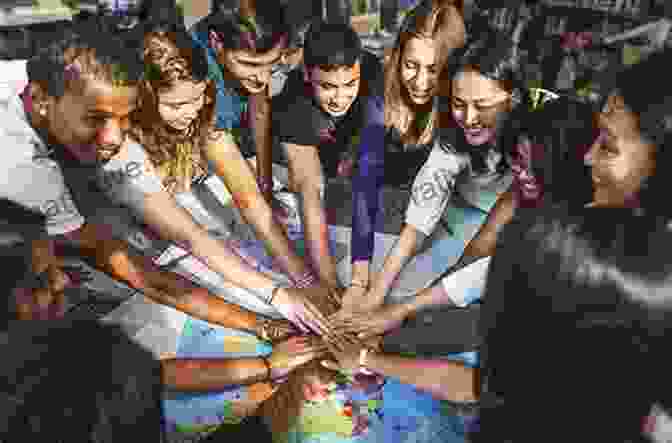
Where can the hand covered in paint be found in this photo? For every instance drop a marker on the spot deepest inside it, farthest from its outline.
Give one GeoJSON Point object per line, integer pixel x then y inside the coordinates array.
{"type": "Point", "coordinates": [274, 330]}
{"type": "Point", "coordinates": [346, 359]}
{"type": "Point", "coordinates": [292, 353]}
{"type": "Point", "coordinates": [303, 307]}
{"type": "Point", "coordinates": [42, 296]}
{"type": "Point", "coordinates": [365, 325]}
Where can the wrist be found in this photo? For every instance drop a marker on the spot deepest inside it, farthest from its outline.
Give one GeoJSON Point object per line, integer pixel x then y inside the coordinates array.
{"type": "Point", "coordinates": [366, 359]}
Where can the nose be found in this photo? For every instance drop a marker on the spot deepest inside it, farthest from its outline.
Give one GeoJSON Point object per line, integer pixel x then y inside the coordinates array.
{"type": "Point", "coordinates": [110, 135]}
{"type": "Point", "coordinates": [421, 81]}
{"type": "Point", "coordinates": [470, 116]}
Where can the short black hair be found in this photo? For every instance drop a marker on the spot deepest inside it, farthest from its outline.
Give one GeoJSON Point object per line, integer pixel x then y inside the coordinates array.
{"type": "Point", "coordinates": [78, 381]}
{"type": "Point", "coordinates": [331, 45]}
{"type": "Point", "coordinates": [577, 301]}
{"type": "Point", "coordinates": [268, 25]}
{"type": "Point", "coordinates": [104, 58]}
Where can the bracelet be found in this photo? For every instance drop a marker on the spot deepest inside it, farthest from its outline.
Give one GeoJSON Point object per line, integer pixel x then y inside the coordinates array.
{"type": "Point", "coordinates": [306, 280]}
{"type": "Point", "coordinates": [268, 367]}
{"type": "Point", "coordinates": [264, 185]}
{"type": "Point", "coordinates": [359, 284]}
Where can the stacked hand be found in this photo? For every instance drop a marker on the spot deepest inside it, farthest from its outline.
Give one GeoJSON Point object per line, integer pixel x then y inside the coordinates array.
{"type": "Point", "coordinates": [370, 324]}
{"type": "Point", "coordinates": [274, 330]}
{"type": "Point", "coordinates": [43, 296]}
{"type": "Point", "coordinates": [359, 299]}
{"type": "Point", "coordinates": [292, 353]}
{"type": "Point", "coordinates": [303, 308]}
{"type": "Point", "coordinates": [346, 359]}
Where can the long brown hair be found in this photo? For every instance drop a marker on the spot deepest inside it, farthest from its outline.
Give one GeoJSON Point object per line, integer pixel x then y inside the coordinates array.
{"type": "Point", "coordinates": [442, 22]}
{"type": "Point", "coordinates": [176, 155]}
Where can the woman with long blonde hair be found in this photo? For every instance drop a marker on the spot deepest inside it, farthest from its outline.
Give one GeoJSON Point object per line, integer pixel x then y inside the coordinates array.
{"type": "Point", "coordinates": [395, 146]}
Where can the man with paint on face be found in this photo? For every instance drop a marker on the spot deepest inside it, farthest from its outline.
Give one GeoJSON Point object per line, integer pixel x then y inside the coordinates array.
{"type": "Point", "coordinates": [317, 120]}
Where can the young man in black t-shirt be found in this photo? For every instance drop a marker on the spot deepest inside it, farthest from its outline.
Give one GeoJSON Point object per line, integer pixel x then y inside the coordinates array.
{"type": "Point", "coordinates": [317, 120]}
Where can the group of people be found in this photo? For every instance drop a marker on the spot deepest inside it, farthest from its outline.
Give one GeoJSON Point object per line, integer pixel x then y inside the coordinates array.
{"type": "Point", "coordinates": [112, 133]}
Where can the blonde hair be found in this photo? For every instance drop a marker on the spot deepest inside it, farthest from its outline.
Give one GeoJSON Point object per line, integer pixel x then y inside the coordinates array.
{"type": "Point", "coordinates": [444, 25]}
{"type": "Point", "coordinates": [177, 156]}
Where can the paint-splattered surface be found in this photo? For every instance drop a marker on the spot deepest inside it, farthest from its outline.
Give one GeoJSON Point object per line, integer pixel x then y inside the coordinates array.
{"type": "Point", "coordinates": [352, 409]}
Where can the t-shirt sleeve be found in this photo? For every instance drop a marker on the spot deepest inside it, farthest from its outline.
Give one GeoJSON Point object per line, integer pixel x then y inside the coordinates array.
{"type": "Point", "coordinates": [130, 177]}
{"type": "Point", "coordinates": [367, 183]}
{"type": "Point", "coordinates": [297, 121]}
{"type": "Point", "coordinates": [467, 285]}
{"type": "Point", "coordinates": [39, 187]}
{"type": "Point", "coordinates": [433, 187]}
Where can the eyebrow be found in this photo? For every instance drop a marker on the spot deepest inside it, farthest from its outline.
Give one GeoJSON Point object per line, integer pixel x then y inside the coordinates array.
{"type": "Point", "coordinates": [335, 85]}
{"type": "Point", "coordinates": [417, 62]}
{"type": "Point", "coordinates": [479, 101]}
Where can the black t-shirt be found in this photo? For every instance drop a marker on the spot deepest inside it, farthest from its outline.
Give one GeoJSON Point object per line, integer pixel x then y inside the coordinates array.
{"type": "Point", "coordinates": [299, 119]}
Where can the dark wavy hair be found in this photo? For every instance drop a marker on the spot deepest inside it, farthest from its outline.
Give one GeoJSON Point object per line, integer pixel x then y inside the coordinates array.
{"type": "Point", "coordinates": [236, 32]}
{"type": "Point", "coordinates": [564, 130]}
{"type": "Point", "coordinates": [647, 92]}
{"type": "Point", "coordinates": [331, 45]}
{"type": "Point", "coordinates": [77, 51]}
{"type": "Point", "coordinates": [78, 381]}
{"type": "Point", "coordinates": [491, 53]}
{"type": "Point", "coordinates": [576, 326]}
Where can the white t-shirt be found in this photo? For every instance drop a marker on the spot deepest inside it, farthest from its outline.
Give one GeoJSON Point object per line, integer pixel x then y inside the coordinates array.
{"type": "Point", "coordinates": [445, 171]}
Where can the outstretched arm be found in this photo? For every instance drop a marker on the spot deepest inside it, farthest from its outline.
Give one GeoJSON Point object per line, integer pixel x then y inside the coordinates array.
{"type": "Point", "coordinates": [483, 244]}
{"type": "Point", "coordinates": [236, 173]}
{"type": "Point", "coordinates": [307, 178]}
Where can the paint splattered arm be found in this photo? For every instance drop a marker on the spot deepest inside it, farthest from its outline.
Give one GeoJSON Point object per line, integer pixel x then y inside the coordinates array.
{"type": "Point", "coordinates": [307, 178]}
{"type": "Point", "coordinates": [238, 177]}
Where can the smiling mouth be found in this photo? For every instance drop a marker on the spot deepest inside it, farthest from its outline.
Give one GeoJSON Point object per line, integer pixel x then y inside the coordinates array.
{"type": "Point", "coordinates": [254, 84]}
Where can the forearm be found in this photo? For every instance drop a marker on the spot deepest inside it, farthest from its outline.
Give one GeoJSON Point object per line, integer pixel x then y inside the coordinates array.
{"type": "Point", "coordinates": [317, 235]}
{"type": "Point", "coordinates": [260, 109]}
{"type": "Point", "coordinates": [114, 258]}
{"type": "Point", "coordinates": [273, 236]}
{"type": "Point", "coordinates": [435, 295]}
{"type": "Point", "coordinates": [483, 244]}
{"type": "Point", "coordinates": [444, 379]}
{"type": "Point", "coordinates": [402, 251]}
{"type": "Point", "coordinates": [361, 271]}
{"type": "Point", "coordinates": [205, 375]}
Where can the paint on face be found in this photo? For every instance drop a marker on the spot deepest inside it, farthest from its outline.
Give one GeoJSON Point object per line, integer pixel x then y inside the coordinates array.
{"type": "Point", "coordinates": [620, 158]}
{"type": "Point", "coordinates": [92, 121]}
{"type": "Point", "coordinates": [335, 91]}
{"type": "Point", "coordinates": [419, 70]}
{"type": "Point", "coordinates": [251, 69]}
{"type": "Point", "coordinates": [180, 105]}
{"type": "Point", "coordinates": [479, 106]}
